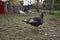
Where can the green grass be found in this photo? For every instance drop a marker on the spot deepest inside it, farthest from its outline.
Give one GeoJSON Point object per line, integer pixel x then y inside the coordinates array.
{"type": "Point", "coordinates": [55, 11]}
{"type": "Point", "coordinates": [12, 27]}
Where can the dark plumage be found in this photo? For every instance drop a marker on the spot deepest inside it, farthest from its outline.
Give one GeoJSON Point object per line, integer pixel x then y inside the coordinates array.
{"type": "Point", "coordinates": [35, 21]}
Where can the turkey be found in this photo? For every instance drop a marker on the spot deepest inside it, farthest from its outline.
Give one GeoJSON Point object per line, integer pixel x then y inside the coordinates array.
{"type": "Point", "coordinates": [35, 21]}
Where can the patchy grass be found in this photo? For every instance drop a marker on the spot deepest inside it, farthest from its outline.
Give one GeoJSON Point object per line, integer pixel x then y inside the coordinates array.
{"type": "Point", "coordinates": [57, 12]}
{"type": "Point", "coordinates": [12, 28]}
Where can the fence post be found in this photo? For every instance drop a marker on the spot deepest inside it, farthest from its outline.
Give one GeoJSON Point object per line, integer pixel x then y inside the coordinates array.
{"type": "Point", "coordinates": [52, 6]}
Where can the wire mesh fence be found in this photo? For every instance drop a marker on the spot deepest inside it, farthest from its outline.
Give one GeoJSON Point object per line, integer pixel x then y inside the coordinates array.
{"type": "Point", "coordinates": [11, 8]}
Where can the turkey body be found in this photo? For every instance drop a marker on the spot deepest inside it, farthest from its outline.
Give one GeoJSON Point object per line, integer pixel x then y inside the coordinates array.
{"type": "Point", "coordinates": [35, 21]}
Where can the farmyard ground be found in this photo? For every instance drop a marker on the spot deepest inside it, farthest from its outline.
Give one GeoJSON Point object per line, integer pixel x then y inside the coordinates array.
{"type": "Point", "coordinates": [12, 28]}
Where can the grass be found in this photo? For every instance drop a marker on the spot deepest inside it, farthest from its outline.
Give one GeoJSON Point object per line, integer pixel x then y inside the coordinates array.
{"type": "Point", "coordinates": [57, 12]}
{"type": "Point", "coordinates": [12, 28]}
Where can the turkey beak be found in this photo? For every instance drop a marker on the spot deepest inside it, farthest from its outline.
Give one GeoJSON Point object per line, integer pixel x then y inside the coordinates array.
{"type": "Point", "coordinates": [24, 20]}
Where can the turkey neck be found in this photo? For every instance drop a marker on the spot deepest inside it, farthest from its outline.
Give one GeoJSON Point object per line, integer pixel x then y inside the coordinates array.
{"type": "Point", "coordinates": [42, 15]}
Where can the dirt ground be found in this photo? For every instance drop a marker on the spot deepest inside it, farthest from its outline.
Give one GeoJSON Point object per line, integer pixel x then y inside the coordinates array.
{"type": "Point", "coordinates": [12, 28]}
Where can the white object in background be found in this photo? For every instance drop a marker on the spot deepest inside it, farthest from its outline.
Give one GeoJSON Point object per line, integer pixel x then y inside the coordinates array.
{"type": "Point", "coordinates": [4, 0]}
{"type": "Point", "coordinates": [21, 12]}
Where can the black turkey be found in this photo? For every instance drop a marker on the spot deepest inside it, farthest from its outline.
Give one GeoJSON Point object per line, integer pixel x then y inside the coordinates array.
{"type": "Point", "coordinates": [35, 21]}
